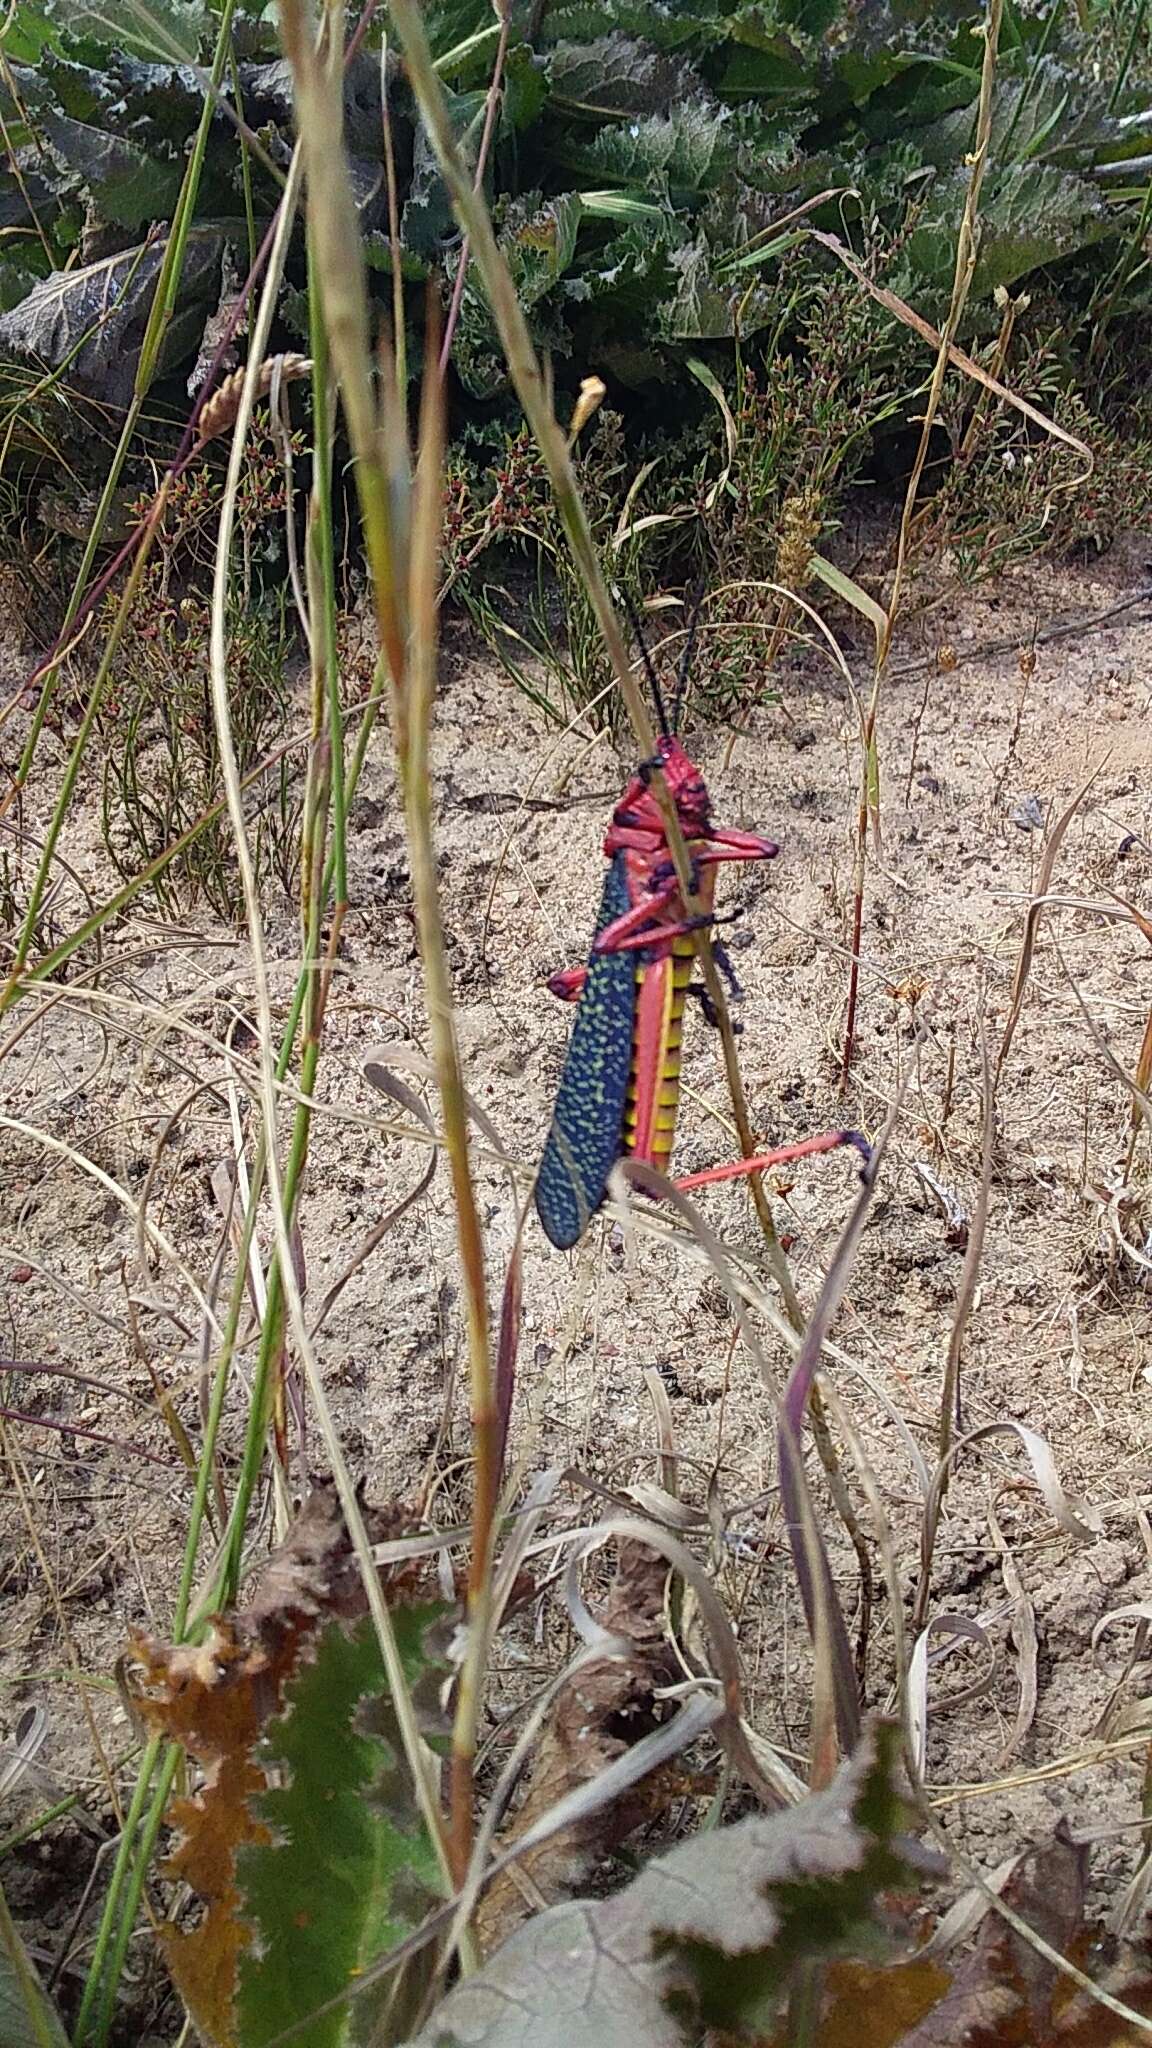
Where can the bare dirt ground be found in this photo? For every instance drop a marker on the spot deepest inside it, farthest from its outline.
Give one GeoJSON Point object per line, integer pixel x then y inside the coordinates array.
{"type": "Point", "coordinates": [118, 1105]}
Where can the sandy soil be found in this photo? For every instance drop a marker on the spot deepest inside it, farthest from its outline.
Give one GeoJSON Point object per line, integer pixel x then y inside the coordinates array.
{"type": "Point", "coordinates": [122, 1101]}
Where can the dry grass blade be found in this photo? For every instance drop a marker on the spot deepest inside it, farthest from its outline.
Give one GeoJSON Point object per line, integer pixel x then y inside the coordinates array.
{"type": "Point", "coordinates": [667, 1462]}
{"type": "Point", "coordinates": [508, 1337]}
{"type": "Point", "coordinates": [1141, 1101]}
{"type": "Point", "coordinates": [964, 271]}
{"type": "Point", "coordinates": [1136, 1610]}
{"type": "Point", "coordinates": [602, 1711]}
{"type": "Point", "coordinates": [954, 1628]}
{"type": "Point", "coordinates": [396, 1090]}
{"type": "Point", "coordinates": [280, 1214]}
{"type": "Point", "coordinates": [157, 1239]}
{"type": "Point", "coordinates": [822, 1608]}
{"type": "Point", "coordinates": [950, 1390]}
{"type": "Point", "coordinates": [18, 1756]}
{"type": "Point", "coordinates": [1027, 1643]}
{"type": "Point", "coordinates": [1032, 921]}
{"type": "Point", "coordinates": [635, 1173]}
{"type": "Point", "coordinates": [1075, 1518]}
{"type": "Point", "coordinates": [414, 728]}
{"type": "Point", "coordinates": [579, 1805]}
{"type": "Point", "coordinates": [904, 313]}
{"type": "Point", "coordinates": [714, 1615]}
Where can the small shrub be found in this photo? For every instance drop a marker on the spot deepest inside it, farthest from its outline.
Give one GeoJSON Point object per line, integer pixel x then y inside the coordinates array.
{"type": "Point", "coordinates": [162, 759]}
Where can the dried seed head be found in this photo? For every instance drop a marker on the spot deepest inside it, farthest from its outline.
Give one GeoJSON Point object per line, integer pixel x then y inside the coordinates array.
{"type": "Point", "coordinates": [946, 659]}
{"type": "Point", "coordinates": [799, 528]}
{"type": "Point", "coordinates": [592, 395]}
{"type": "Point", "coordinates": [221, 410]}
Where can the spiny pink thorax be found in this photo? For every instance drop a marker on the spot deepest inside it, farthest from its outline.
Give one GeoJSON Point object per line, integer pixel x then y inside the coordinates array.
{"type": "Point", "coordinates": [639, 809]}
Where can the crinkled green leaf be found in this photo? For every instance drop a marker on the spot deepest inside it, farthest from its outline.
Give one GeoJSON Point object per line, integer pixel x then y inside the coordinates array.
{"type": "Point", "coordinates": [94, 318]}
{"type": "Point", "coordinates": [525, 88]}
{"type": "Point", "coordinates": [123, 184]}
{"type": "Point", "coordinates": [633, 270]}
{"type": "Point", "coordinates": [766, 59]}
{"type": "Point", "coordinates": [766, 144]}
{"type": "Point", "coordinates": [350, 1870]}
{"type": "Point", "coordinates": [427, 214]}
{"type": "Point", "coordinates": [700, 22]}
{"type": "Point", "coordinates": [538, 238]}
{"type": "Point", "coordinates": [1032, 215]}
{"type": "Point", "coordinates": [708, 1935]}
{"type": "Point", "coordinates": [617, 74]}
{"type": "Point", "coordinates": [452, 22]}
{"type": "Point", "coordinates": [689, 148]}
{"type": "Point", "coordinates": [162, 29]}
{"type": "Point", "coordinates": [378, 256]}
{"type": "Point", "coordinates": [1051, 113]}
{"type": "Point", "coordinates": [705, 306]}
{"type": "Point", "coordinates": [267, 92]}
{"type": "Point", "coordinates": [539, 241]}
{"type": "Point", "coordinates": [890, 36]}
{"type": "Point", "coordinates": [149, 104]}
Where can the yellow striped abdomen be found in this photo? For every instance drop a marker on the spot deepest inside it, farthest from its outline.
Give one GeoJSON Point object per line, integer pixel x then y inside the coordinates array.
{"type": "Point", "coordinates": [654, 1081]}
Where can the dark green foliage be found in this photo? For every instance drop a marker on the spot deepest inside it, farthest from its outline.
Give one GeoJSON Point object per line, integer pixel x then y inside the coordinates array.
{"type": "Point", "coordinates": [638, 152]}
{"type": "Point", "coordinates": [653, 174]}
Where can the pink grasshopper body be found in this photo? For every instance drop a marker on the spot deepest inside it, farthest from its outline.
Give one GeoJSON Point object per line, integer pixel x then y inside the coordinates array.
{"type": "Point", "coordinates": [620, 1090]}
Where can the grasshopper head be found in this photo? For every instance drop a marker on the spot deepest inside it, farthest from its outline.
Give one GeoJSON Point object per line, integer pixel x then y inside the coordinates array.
{"type": "Point", "coordinates": [638, 808]}
{"type": "Point", "coordinates": [686, 787]}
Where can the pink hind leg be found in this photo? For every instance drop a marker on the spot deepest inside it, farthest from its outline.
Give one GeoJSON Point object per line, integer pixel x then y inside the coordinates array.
{"type": "Point", "coordinates": [827, 1142]}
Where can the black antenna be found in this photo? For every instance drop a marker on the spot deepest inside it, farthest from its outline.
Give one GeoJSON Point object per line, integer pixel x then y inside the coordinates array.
{"type": "Point", "coordinates": [689, 650]}
{"type": "Point", "coordinates": [653, 678]}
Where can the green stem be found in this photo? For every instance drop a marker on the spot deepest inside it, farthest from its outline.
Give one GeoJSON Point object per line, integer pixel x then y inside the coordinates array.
{"type": "Point", "coordinates": [92, 1988]}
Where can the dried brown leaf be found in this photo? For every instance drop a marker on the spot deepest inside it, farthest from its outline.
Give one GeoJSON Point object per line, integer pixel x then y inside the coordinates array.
{"type": "Point", "coordinates": [1003, 1993]}
{"type": "Point", "coordinates": [605, 1708]}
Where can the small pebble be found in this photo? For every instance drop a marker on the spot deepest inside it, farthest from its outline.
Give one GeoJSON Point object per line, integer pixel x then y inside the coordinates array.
{"type": "Point", "coordinates": [1029, 815]}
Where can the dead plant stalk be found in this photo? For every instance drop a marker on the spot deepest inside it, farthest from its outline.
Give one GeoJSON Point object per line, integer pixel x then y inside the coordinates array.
{"type": "Point", "coordinates": [280, 1212]}
{"type": "Point", "coordinates": [401, 532]}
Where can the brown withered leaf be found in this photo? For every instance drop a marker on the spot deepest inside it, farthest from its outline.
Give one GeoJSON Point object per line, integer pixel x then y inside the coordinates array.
{"type": "Point", "coordinates": [1086, 2023]}
{"type": "Point", "coordinates": [607, 1706]}
{"type": "Point", "coordinates": [215, 1698]}
{"type": "Point", "coordinates": [1004, 1990]}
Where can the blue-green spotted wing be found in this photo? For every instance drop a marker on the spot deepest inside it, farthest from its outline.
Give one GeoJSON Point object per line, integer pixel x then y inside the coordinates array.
{"type": "Point", "coordinates": [588, 1117]}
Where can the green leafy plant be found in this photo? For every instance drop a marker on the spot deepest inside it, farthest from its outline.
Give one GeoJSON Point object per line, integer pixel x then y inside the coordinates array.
{"type": "Point", "coordinates": [303, 1844]}
{"type": "Point", "coordinates": [652, 181]}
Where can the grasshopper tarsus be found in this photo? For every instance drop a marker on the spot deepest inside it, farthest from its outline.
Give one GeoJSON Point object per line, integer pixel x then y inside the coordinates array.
{"type": "Point", "coordinates": [723, 961]}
